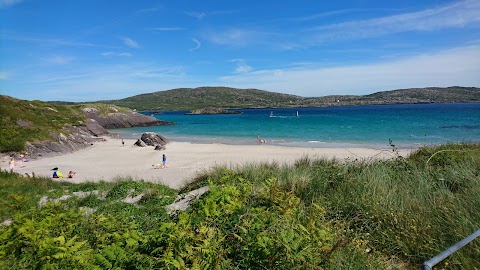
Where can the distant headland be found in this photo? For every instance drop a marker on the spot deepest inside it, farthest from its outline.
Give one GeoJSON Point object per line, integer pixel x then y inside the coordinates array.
{"type": "Point", "coordinates": [231, 98]}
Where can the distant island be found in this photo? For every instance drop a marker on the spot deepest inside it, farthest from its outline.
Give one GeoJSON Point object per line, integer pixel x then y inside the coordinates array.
{"type": "Point", "coordinates": [231, 98]}
{"type": "Point", "coordinates": [212, 111]}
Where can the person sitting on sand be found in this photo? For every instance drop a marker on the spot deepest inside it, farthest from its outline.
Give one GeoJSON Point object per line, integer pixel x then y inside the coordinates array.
{"type": "Point", "coordinates": [71, 174]}
{"type": "Point", "coordinates": [57, 173]}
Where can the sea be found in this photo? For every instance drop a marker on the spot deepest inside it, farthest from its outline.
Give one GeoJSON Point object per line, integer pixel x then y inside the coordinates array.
{"type": "Point", "coordinates": [377, 126]}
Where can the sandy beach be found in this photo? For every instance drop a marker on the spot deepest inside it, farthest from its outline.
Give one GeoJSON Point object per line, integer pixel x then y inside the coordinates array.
{"type": "Point", "coordinates": [109, 160]}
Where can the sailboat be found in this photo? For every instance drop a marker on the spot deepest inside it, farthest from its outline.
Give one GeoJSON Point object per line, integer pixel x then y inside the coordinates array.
{"type": "Point", "coordinates": [271, 114]}
{"type": "Point", "coordinates": [297, 113]}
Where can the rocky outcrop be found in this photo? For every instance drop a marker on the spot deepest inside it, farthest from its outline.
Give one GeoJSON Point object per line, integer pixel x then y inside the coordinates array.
{"type": "Point", "coordinates": [79, 137]}
{"type": "Point", "coordinates": [213, 111]}
{"type": "Point", "coordinates": [82, 135]}
{"type": "Point", "coordinates": [152, 139]}
{"type": "Point", "coordinates": [123, 119]}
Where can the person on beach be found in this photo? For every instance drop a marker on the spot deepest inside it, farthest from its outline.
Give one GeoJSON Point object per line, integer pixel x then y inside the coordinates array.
{"type": "Point", "coordinates": [123, 142]}
{"type": "Point", "coordinates": [260, 140]}
{"type": "Point", "coordinates": [71, 174]}
{"type": "Point", "coordinates": [12, 165]}
{"type": "Point", "coordinates": [164, 161]}
{"type": "Point", "coordinates": [57, 173]}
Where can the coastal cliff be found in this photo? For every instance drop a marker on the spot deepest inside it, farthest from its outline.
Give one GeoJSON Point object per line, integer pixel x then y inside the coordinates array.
{"type": "Point", "coordinates": [118, 119]}
{"type": "Point", "coordinates": [41, 129]}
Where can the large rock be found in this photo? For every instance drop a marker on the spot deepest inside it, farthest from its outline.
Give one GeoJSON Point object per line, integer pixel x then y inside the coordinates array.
{"type": "Point", "coordinates": [70, 139]}
{"type": "Point", "coordinates": [95, 128]}
{"type": "Point", "coordinates": [140, 143]}
{"type": "Point", "coordinates": [123, 120]}
{"type": "Point", "coordinates": [153, 139]}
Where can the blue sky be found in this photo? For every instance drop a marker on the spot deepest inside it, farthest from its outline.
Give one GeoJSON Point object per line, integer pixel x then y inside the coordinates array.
{"type": "Point", "coordinates": [92, 50]}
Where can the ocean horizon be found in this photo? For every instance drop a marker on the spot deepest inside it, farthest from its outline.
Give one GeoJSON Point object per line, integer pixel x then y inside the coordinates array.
{"type": "Point", "coordinates": [404, 125]}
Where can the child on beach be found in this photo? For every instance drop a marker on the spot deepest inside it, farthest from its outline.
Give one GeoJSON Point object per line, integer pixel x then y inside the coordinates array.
{"type": "Point", "coordinates": [164, 161]}
{"type": "Point", "coordinates": [12, 165]}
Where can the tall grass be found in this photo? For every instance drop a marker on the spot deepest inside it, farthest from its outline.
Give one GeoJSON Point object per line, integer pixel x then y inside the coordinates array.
{"type": "Point", "coordinates": [313, 214]}
{"type": "Point", "coordinates": [412, 208]}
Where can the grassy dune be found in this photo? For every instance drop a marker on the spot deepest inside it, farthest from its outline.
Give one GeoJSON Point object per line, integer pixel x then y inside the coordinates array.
{"type": "Point", "coordinates": [315, 214]}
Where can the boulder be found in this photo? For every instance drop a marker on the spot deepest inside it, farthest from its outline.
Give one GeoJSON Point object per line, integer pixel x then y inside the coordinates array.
{"type": "Point", "coordinates": [140, 143]}
{"type": "Point", "coordinates": [153, 139]}
{"type": "Point", "coordinates": [160, 147]}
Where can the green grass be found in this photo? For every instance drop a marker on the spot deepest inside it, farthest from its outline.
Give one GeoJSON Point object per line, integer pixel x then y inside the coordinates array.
{"type": "Point", "coordinates": [40, 120]}
{"type": "Point", "coordinates": [35, 121]}
{"type": "Point", "coordinates": [314, 214]}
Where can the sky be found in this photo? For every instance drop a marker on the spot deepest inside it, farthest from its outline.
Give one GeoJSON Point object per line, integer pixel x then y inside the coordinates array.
{"type": "Point", "coordinates": [97, 49]}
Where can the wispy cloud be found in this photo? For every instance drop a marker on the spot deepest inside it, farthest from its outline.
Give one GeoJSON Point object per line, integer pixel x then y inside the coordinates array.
{"type": "Point", "coordinates": [3, 75]}
{"type": "Point", "coordinates": [58, 59]}
{"type": "Point", "coordinates": [98, 82]}
{"type": "Point", "coordinates": [130, 42]}
{"type": "Point", "coordinates": [199, 15]}
{"type": "Point", "coordinates": [168, 29]}
{"type": "Point", "coordinates": [197, 45]}
{"type": "Point", "coordinates": [457, 15]}
{"type": "Point", "coordinates": [51, 41]}
{"type": "Point", "coordinates": [8, 3]}
{"type": "Point", "coordinates": [459, 66]}
{"type": "Point", "coordinates": [124, 54]}
{"type": "Point", "coordinates": [236, 37]}
{"type": "Point", "coordinates": [147, 10]}
{"type": "Point", "coordinates": [241, 66]}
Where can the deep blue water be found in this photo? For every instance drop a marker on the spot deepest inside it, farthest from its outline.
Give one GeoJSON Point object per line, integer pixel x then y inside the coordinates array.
{"type": "Point", "coordinates": [405, 125]}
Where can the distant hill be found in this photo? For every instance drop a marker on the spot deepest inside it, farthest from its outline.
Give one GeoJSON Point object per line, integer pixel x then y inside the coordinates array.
{"type": "Point", "coordinates": [225, 97]}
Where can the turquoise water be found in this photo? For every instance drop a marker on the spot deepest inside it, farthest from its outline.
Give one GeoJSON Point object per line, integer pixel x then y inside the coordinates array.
{"type": "Point", "coordinates": [406, 125]}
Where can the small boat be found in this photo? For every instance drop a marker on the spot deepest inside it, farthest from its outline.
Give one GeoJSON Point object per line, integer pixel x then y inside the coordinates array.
{"type": "Point", "coordinates": [297, 113]}
{"type": "Point", "coordinates": [271, 114]}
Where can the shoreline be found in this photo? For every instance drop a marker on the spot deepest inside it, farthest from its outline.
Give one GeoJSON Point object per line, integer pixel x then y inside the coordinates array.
{"type": "Point", "coordinates": [275, 142]}
{"type": "Point", "coordinates": [109, 160]}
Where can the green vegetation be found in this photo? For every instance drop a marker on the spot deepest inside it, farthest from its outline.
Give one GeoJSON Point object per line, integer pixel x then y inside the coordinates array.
{"type": "Point", "coordinates": [314, 214]}
{"type": "Point", "coordinates": [23, 121]}
{"type": "Point", "coordinates": [34, 121]}
{"type": "Point", "coordinates": [206, 97]}
{"type": "Point", "coordinates": [224, 97]}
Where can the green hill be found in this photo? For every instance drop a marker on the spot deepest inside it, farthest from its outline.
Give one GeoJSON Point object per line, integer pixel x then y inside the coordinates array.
{"type": "Point", "coordinates": [34, 121]}
{"type": "Point", "coordinates": [23, 120]}
{"type": "Point", "coordinates": [224, 97]}
{"type": "Point", "coordinates": [206, 97]}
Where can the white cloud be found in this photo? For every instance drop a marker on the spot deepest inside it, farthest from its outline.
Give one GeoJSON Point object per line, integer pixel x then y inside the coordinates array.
{"type": "Point", "coordinates": [196, 14]}
{"type": "Point", "coordinates": [457, 15]}
{"type": "Point", "coordinates": [168, 29]}
{"type": "Point", "coordinates": [130, 42]}
{"type": "Point", "coordinates": [107, 54]}
{"type": "Point", "coordinates": [197, 44]}
{"type": "Point", "coordinates": [58, 59]}
{"type": "Point", "coordinates": [241, 66]}
{"type": "Point", "coordinates": [236, 37]}
{"type": "Point", "coordinates": [7, 3]}
{"type": "Point", "coordinates": [459, 66]}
